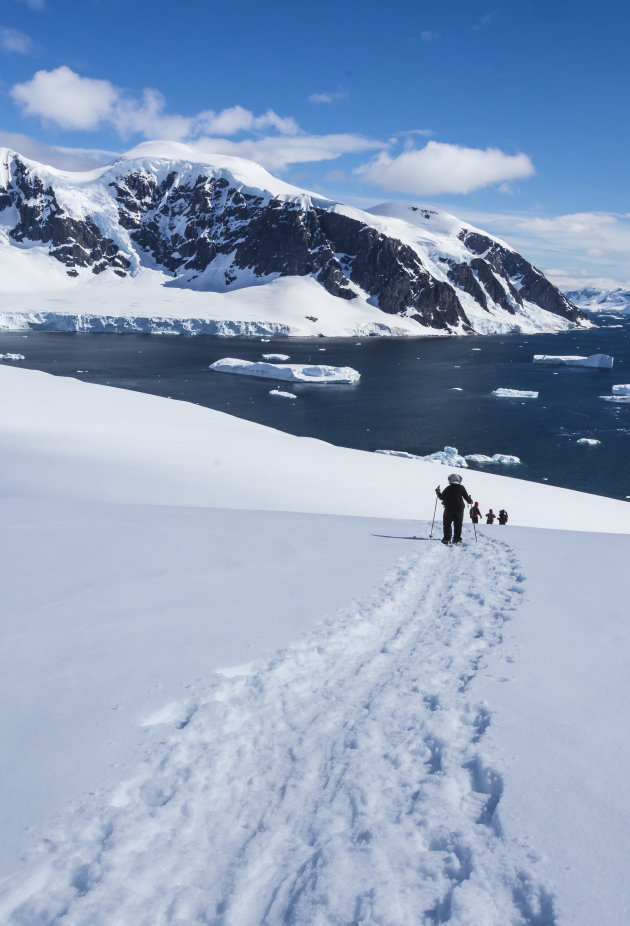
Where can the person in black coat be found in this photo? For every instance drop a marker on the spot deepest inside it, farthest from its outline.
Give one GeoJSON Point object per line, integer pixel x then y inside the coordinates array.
{"type": "Point", "coordinates": [503, 516]}
{"type": "Point", "coordinates": [453, 498]}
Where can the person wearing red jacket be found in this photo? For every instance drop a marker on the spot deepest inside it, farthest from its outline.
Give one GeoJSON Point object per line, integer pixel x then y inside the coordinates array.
{"type": "Point", "coordinates": [490, 516]}
{"type": "Point", "coordinates": [475, 513]}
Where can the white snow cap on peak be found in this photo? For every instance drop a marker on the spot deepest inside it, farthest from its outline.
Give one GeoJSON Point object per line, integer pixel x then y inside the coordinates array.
{"type": "Point", "coordinates": [247, 172]}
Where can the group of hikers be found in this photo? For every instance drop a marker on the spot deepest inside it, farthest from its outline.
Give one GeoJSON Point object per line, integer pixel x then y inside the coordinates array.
{"type": "Point", "coordinates": [454, 498]}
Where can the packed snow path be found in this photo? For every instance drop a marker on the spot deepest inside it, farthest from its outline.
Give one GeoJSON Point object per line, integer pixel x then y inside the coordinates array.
{"type": "Point", "coordinates": [341, 782]}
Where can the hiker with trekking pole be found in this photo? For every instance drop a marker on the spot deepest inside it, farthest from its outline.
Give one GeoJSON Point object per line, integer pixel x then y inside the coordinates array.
{"type": "Point", "coordinates": [453, 498]}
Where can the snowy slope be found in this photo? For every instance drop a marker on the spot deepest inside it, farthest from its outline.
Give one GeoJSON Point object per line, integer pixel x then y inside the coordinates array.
{"type": "Point", "coordinates": [160, 239]}
{"type": "Point", "coordinates": [224, 709]}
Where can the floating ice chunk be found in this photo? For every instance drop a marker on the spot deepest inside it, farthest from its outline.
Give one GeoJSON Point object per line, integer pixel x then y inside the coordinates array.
{"type": "Point", "coordinates": [450, 456]}
{"type": "Point", "coordinates": [12, 357]}
{"type": "Point", "coordinates": [621, 389]}
{"type": "Point", "coordinates": [495, 458]}
{"type": "Point", "coordinates": [285, 395]}
{"type": "Point", "coordinates": [514, 394]}
{"type": "Point", "coordinates": [597, 361]}
{"type": "Point", "coordinates": [298, 372]}
{"type": "Point", "coordinates": [589, 441]}
{"type": "Point", "coordinates": [615, 398]}
{"type": "Point", "coordinates": [275, 357]}
{"type": "Point", "coordinates": [456, 389]}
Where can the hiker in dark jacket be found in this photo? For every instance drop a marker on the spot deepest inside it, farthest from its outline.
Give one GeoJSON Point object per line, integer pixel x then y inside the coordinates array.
{"type": "Point", "coordinates": [490, 517]}
{"type": "Point", "coordinates": [453, 498]}
{"type": "Point", "coordinates": [503, 516]}
{"type": "Point", "coordinates": [475, 513]}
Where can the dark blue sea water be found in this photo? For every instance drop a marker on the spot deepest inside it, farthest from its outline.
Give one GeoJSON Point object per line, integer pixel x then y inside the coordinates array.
{"type": "Point", "coordinates": [405, 400]}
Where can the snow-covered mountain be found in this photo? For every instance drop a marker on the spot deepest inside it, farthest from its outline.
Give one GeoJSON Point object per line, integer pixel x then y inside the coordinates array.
{"type": "Point", "coordinates": [158, 235]}
{"type": "Point", "coordinates": [595, 299]}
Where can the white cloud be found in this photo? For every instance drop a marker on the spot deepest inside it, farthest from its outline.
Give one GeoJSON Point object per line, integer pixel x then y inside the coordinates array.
{"type": "Point", "coordinates": [12, 40]}
{"type": "Point", "coordinates": [147, 117]}
{"type": "Point", "coordinates": [70, 101]}
{"type": "Point", "coordinates": [327, 97]}
{"type": "Point", "coordinates": [55, 156]}
{"type": "Point", "coordinates": [443, 168]}
{"type": "Point", "coordinates": [66, 99]}
{"type": "Point", "coordinates": [575, 249]}
{"type": "Point", "coordinates": [278, 152]}
{"type": "Point", "coordinates": [237, 119]}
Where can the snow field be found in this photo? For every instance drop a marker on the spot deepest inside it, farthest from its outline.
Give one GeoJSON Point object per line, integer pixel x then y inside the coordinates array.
{"type": "Point", "coordinates": [344, 780]}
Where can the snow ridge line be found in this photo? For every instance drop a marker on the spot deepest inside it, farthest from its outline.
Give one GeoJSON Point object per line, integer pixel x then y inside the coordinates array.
{"type": "Point", "coordinates": [341, 782]}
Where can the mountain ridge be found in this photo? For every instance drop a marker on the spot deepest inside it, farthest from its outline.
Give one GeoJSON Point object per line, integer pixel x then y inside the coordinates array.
{"type": "Point", "coordinates": [227, 224]}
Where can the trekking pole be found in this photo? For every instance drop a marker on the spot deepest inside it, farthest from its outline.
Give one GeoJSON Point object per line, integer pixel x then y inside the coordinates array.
{"type": "Point", "coordinates": [433, 521]}
{"type": "Point", "coordinates": [475, 530]}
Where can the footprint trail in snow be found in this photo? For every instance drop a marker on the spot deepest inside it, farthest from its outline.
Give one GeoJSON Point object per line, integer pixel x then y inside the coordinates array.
{"type": "Point", "coordinates": [341, 782]}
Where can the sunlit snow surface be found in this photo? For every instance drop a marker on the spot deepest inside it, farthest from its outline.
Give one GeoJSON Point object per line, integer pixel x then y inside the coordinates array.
{"type": "Point", "coordinates": [246, 687]}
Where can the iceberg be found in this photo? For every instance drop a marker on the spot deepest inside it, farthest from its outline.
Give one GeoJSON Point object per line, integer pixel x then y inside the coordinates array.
{"type": "Point", "coordinates": [297, 372]}
{"type": "Point", "coordinates": [280, 357]}
{"type": "Point", "coordinates": [621, 389]}
{"type": "Point", "coordinates": [589, 441]}
{"type": "Point", "coordinates": [514, 394]}
{"type": "Point", "coordinates": [451, 456]}
{"type": "Point", "coordinates": [596, 361]}
{"type": "Point", "coordinates": [285, 395]}
{"type": "Point", "coordinates": [12, 357]}
{"type": "Point", "coordinates": [495, 458]}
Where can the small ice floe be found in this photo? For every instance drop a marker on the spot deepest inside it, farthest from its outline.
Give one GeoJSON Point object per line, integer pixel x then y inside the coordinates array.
{"type": "Point", "coordinates": [276, 357]}
{"type": "Point", "coordinates": [475, 348]}
{"type": "Point", "coordinates": [321, 348]}
{"type": "Point", "coordinates": [588, 441]}
{"type": "Point", "coordinates": [514, 394]}
{"type": "Point", "coordinates": [285, 395]}
{"type": "Point", "coordinates": [296, 372]}
{"type": "Point", "coordinates": [456, 389]}
{"type": "Point", "coordinates": [12, 357]}
{"type": "Point", "coordinates": [621, 399]}
{"type": "Point", "coordinates": [495, 458]}
{"type": "Point", "coordinates": [621, 389]}
{"type": "Point", "coordinates": [596, 361]}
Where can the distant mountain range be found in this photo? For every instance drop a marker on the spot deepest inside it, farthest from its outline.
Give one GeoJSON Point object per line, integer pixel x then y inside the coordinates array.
{"type": "Point", "coordinates": [593, 299]}
{"type": "Point", "coordinates": [224, 246]}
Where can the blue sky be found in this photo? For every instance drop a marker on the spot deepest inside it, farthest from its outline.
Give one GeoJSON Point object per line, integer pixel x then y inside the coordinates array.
{"type": "Point", "coordinates": [513, 116]}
